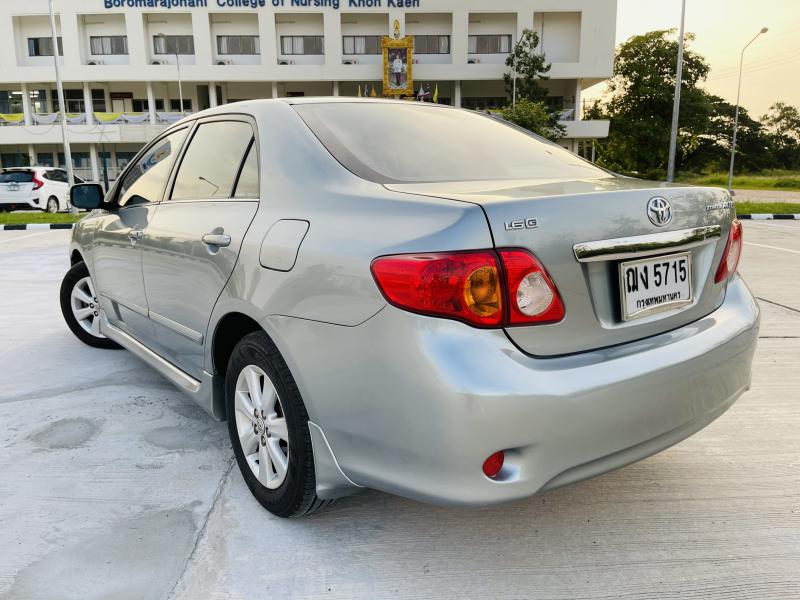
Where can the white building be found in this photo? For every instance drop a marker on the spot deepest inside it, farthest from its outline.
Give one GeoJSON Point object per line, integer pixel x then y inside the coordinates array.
{"type": "Point", "coordinates": [119, 62]}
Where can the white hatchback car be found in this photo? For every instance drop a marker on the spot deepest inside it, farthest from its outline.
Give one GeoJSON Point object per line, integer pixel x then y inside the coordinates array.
{"type": "Point", "coordinates": [43, 188]}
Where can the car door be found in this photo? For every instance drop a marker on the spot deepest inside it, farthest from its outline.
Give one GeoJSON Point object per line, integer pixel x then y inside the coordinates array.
{"type": "Point", "coordinates": [192, 242]}
{"type": "Point", "coordinates": [116, 254]}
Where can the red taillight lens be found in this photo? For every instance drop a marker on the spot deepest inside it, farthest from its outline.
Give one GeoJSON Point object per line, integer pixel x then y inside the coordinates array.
{"type": "Point", "coordinates": [459, 285]}
{"type": "Point", "coordinates": [37, 183]}
{"type": "Point", "coordinates": [479, 288]}
{"type": "Point", "coordinates": [733, 251]}
{"type": "Point", "coordinates": [533, 297]}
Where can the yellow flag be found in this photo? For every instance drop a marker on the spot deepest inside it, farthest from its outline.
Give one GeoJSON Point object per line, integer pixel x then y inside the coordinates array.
{"type": "Point", "coordinates": [373, 93]}
{"type": "Point", "coordinates": [359, 90]}
{"type": "Point", "coordinates": [436, 94]}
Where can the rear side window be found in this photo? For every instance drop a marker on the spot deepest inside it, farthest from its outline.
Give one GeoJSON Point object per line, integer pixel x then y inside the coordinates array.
{"type": "Point", "coordinates": [60, 176]}
{"type": "Point", "coordinates": [145, 181]}
{"type": "Point", "coordinates": [247, 186]}
{"type": "Point", "coordinates": [16, 177]}
{"type": "Point", "coordinates": [212, 162]}
{"type": "Point", "coordinates": [412, 142]}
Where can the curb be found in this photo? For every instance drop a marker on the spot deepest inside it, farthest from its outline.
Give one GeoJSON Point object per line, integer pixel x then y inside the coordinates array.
{"type": "Point", "coordinates": [768, 217]}
{"type": "Point", "coordinates": [33, 226]}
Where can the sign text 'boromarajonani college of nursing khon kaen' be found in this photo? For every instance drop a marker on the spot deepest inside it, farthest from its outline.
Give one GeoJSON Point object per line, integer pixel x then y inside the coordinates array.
{"type": "Point", "coordinates": [255, 4]}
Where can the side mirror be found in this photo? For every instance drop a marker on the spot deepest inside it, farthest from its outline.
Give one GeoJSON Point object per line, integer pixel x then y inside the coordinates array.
{"type": "Point", "coordinates": [86, 195]}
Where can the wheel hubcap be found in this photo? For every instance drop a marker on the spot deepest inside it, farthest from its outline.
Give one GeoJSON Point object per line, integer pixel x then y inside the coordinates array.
{"type": "Point", "coordinates": [261, 426]}
{"type": "Point", "coordinates": [85, 308]}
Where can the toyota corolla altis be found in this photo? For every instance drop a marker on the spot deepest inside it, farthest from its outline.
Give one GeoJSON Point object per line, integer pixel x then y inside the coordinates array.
{"type": "Point", "coordinates": [413, 298]}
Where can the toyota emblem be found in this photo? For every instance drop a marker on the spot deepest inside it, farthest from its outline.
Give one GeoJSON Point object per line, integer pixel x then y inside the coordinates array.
{"type": "Point", "coordinates": [659, 211]}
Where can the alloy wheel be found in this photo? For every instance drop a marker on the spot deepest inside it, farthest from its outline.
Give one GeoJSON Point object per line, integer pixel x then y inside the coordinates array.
{"type": "Point", "coordinates": [261, 427]}
{"type": "Point", "coordinates": [85, 307]}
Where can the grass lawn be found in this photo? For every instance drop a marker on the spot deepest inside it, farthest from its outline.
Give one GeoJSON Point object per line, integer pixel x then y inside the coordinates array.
{"type": "Point", "coordinates": [777, 208]}
{"type": "Point", "coordinates": [25, 218]}
{"type": "Point", "coordinates": [770, 180]}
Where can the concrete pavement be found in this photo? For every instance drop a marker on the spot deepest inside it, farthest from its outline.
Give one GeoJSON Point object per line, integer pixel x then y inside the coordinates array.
{"type": "Point", "coordinates": [115, 486]}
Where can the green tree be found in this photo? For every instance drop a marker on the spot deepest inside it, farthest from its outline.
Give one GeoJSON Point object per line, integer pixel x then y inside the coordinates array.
{"type": "Point", "coordinates": [782, 124]}
{"type": "Point", "coordinates": [529, 66]}
{"type": "Point", "coordinates": [534, 117]}
{"type": "Point", "coordinates": [640, 104]}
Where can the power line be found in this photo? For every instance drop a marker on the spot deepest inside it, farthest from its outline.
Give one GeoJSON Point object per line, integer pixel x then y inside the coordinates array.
{"type": "Point", "coordinates": [760, 62]}
{"type": "Point", "coordinates": [764, 67]}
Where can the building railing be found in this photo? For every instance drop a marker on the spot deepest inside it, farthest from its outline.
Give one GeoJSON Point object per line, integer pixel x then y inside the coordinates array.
{"type": "Point", "coordinates": [102, 118]}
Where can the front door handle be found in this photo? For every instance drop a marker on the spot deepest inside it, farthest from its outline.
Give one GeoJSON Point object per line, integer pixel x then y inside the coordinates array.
{"type": "Point", "coordinates": [135, 235]}
{"type": "Point", "coordinates": [220, 240]}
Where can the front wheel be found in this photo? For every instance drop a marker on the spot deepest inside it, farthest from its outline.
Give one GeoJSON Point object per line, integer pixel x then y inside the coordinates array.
{"type": "Point", "coordinates": [80, 308]}
{"type": "Point", "coordinates": [268, 427]}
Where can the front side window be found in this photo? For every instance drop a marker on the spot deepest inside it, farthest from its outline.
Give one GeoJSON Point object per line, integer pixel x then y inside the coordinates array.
{"type": "Point", "coordinates": [426, 143]}
{"type": "Point", "coordinates": [145, 181]}
{"type": "Point", "coordinates": [212, 162]}
{"type": "Point", "coordinates": [432, 44]}
{"type": "Point", "coordinates": [173, 44]}
{"type": "Point", "coordinates": [108, 44]}
{"type": "Point", "coordinates": [489, 44]}
{"type": "Point", "coordinates": [43, 46]}
{"type": "Point", "coordinates": [361, 44]}
{"type": "Point", "coordinates": [238, 44]}
{"type": "Point", "coordinates": [302, 44]}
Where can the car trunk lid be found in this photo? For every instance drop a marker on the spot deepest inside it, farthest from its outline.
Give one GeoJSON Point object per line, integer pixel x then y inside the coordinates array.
{"type": "Point", "coordinates": [582, 231]}
{"type": "Point", "coordinates": [15, 186]}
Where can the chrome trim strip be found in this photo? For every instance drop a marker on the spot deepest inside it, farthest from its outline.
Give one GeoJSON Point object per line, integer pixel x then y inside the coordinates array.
{"type": "Point", "coordinates": [139, 310]}
{"type": "Point", "coordinates": [186, 332]}
{"type": "Point", "coordinates": [645, 245]}
{"type": "Point", "coordinates": [180, 378]}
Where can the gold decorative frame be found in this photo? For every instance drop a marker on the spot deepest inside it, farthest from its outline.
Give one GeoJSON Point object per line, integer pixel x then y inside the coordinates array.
{"type": "Point", "coordinates": [390, 89]}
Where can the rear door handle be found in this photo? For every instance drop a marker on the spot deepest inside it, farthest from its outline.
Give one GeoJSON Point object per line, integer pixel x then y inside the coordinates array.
{"type": "Point", "coordinates": [220, 240]}
{"type": "Point", "coordinates": [135, 235]}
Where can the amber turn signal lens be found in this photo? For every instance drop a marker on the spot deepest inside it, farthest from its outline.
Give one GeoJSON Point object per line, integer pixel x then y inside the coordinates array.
{"type": "Point", "coordinates": [482, 291]}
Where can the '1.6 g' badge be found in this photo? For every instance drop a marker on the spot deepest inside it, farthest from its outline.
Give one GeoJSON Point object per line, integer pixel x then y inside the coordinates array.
{"type": "Point", "coordinates": [529, 223]}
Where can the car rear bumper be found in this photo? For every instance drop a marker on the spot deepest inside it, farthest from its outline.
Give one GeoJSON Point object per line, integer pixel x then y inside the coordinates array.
{"type": "Point", "coordinates": [20, 203]}
{"type": "Point", "coordinates": [414, 405]}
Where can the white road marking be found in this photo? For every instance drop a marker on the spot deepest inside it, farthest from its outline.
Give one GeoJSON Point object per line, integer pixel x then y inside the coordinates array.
{"type": "Point", "coordinates": [24, 237]}
{"type": "Point", "coordinates": [772, 247]}
{"type": "Point", "coordinates": [774, 226]}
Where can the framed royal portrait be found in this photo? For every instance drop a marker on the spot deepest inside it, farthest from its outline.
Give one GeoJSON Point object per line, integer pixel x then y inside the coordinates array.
{"type": "Point", "coordinates": [398, 66]}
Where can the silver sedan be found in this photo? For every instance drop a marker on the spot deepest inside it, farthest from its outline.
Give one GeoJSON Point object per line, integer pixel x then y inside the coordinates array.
{"type": "Point", "coordinates": [413, 298]}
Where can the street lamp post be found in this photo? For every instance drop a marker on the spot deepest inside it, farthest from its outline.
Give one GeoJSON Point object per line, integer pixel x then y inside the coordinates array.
{"type": "Point", "coordinates": [676, 108]}
{"type": "Point", "coordinates": [61, 103]}
{"type": "Point", "coordinates": [736, 118]}
{"type": "Point", "coordinates": [178, 64]}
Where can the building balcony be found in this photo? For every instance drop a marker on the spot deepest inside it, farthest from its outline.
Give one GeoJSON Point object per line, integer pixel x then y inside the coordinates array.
{"type": "Point", "coordinates": [46, 129]}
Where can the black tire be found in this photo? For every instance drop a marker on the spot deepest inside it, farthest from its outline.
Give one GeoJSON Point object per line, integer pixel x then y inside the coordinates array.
{"type": "Point", "coordinates": [78, 272]}
{"type": "Point", "coordinates": [296, 496]}
{"type": "Point", "coordinates": [52, 205]}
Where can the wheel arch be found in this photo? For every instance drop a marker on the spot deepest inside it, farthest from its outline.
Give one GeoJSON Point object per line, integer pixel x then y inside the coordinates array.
{"type": "Point", "coordinates": [75, 257]}
{"type": "Point", "coordinates": [231, 328]}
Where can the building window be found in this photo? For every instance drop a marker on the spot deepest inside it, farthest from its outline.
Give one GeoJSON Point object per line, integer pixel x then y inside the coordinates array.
{"type": "Point", "coordinates": [486, 103]}
{"type": "Point", "coordinates": [43, 46]}
{"type": "Point", "coordinates": [432, 44]}
{"type": "Point", "coordinates": [175, 105]}
{"type": "Point", "coordinates": [76, 103]}
{"type": "Point", "coordinates": [361, 44]}
{"type": "Point", "coordinates": [302, 44]}
{"type": "Point", "coordinates": [238, 44]}
{"type": "Point", "coordinates": [140, 106]}
{"type": "Point", "coordinates": [108, 44]}
{"type": "Point", "coordinates": [489, 44]}
{"type": "Point", "coordinates": [173, 44]}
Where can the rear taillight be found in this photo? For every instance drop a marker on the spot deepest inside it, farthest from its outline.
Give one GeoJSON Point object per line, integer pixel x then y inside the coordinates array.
{"type": "Point", "coordinates": [483, 288]}
{"type": "Point", "coordinates": [533, 297]}
{"type": "Point", "coordinates": [37, 183]}
{"type": "Point", "coordinates": [733, 250]}
{"type": "Point", "coordinates": [458, 285]}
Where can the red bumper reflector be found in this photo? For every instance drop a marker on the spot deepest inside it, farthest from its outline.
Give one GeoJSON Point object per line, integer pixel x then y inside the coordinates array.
{"type": "Point", "coordinates": [493, 464]}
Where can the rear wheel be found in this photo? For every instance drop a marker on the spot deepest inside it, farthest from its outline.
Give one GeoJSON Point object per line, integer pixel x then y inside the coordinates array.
{"type": "Point", "coordinates": [80, 308]}
{"type": "Point", "coordinates": [52, 204]}
{"type": "Point", "coordinates": [268, 427]}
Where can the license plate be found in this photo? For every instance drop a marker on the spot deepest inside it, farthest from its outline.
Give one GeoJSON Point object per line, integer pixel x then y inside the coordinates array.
{"type": "Point", "coordinates": [654, 285]}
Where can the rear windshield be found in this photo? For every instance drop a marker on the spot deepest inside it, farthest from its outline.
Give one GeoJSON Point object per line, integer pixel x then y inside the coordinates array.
{"type": "Point", "coordinates": [410, 143]}
{"type": "Point", "coordinates": [16, 177]}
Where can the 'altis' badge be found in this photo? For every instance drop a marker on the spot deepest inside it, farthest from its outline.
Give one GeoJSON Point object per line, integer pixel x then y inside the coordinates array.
{"type": "Point", "coordinates": [529, 223]}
